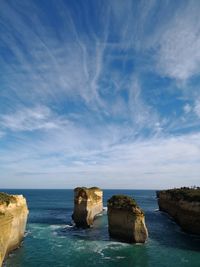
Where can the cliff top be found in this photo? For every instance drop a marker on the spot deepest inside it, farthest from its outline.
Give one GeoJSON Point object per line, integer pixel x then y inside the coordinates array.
{"type": "Point", "coordinates": [122, 202]}
{"type": "Point", "coordinates": [93, 193]}
{"type": "Point", "coordinates": [6, 198]}
{"type": "Point", "coordinates": [183, 193]}
{"type": "Point", "coordinates": [87, 189]}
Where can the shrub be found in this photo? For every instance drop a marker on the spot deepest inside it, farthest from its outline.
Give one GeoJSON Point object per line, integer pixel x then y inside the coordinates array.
{"type": "Point", "coordinates": [184, 193]}
{"type": "Point", "coordinates": [122, 202]}
{"type": "Point", "coordinates": [6, 198]}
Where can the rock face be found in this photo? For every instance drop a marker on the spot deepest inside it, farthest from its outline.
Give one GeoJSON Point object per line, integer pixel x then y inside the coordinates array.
{"type": "Point", "coordinates": [88, 202]}
{"type": "Point", "coordinates": [183, 205]}
{"type": "Point", "coordinates": [126, 221]}
{"type": "Point", "coordinates": [13, 218]}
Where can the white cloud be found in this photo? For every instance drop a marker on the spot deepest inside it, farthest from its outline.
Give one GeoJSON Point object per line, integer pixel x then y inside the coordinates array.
{"type": "Point", "coordinates": [197, 108]}
{"type": "Point", "coordinates": [178, 50]}
{"type": "Point", "coordinates": [52, 68]}
{"type": "Point", "coordinates": [153, 163]}
{"type": "Point", "coordinates": [187, 108]}
{"type": "Point", "coordinates": [102, 141]}
{"type": "Point", "coordinates": [193, 109]}
{"type": "Point", "coordinates": [142, 115]}
{"type": "Point", "coordinates": [29, 119]}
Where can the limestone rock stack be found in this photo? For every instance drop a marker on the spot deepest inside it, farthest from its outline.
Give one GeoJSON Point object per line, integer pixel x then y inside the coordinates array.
{"type": "Point", "coordinates": [13, 218]}
{"type": "Point", "coordinates": [183, 205]}
{"type": "Point", "coordinates": [88, 202]}
{"type": "Point", "coordinates": [126, 221]}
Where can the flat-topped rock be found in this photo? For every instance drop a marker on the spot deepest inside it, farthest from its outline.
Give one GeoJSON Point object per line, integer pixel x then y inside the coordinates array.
{"type": "Point", "coordinates": [88, 202]}
{"type": "Point", "coordinates": [183, 205]}
{"type": "Point", "coordinates": [126, 221]}
{"type": "Point", "coordinates": [13, 218]}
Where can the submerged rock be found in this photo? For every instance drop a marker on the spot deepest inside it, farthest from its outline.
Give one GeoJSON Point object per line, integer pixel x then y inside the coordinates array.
{"type": "Point", "coordinates": [88, 202]}
{"type": "Point", "coordinates": [126, 221]}
{"type": "Point", "coordinates": [183, 205]}
{"type": "Point", "coordinates": [13, 218]}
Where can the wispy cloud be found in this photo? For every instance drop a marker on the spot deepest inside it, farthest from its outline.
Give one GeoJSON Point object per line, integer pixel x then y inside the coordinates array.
{"type": "Point", "coordinates": [178, 53]}
{"type": "Point", "coordinates": [187, 108]}
{"type": "Point", "coordinates": [129, 164]}
{"type": "Point", "coordinates": [27, 119]}
{"type": "Point", "coordinates": [107, 94]}
{"type": "Point", "coordinates": [193, 108]}
{"type": "Point", "coordinates": [197, 108]}
{"type": "Point", "coordinates": [142, 115]}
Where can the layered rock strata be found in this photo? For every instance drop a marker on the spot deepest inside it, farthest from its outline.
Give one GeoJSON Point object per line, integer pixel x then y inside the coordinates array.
{"type": "Point", "coordinates": [126, 221]}
{"type": "Point", "coordinates": [13, 218]}
{"type": "Point", "coordinates": [88, 202]}
{"type": "Point", "coordinates": [183, 205]}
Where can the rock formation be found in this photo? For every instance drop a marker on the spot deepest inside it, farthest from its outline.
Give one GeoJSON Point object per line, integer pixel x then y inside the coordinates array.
{"type": "Point", "coordinates": [183, 205]}
{"type": "Point", "coordinates": [13, 218]}
{"type": "Point", "coordinates": [88, 203]}
{"type": "Point", "coordinates": [126, 221]}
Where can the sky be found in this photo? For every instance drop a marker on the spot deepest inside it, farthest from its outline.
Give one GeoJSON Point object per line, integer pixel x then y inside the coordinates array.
{"type": "Point", "coordinates": [99, 93]}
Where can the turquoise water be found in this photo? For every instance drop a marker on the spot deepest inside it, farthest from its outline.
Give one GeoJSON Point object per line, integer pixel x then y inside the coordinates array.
{"type": "Point", "coordinates": [51, 241]}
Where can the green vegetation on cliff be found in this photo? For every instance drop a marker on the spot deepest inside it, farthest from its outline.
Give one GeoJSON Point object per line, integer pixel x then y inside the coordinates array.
{"type": "Point", "coordinates": [122, 202]}
{"type": "Point", "coordinates": [183, 193]}
{"type": "Point", "coordinates": [6, 199]}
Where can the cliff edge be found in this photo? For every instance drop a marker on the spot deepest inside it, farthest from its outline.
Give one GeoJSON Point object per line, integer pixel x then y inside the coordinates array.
{"type": "Point", "coordinates": [13, 218]}
{"type": "Point", "coordinates": [88, 202]}
{"type": "Point", "coordinates": [126, 221]}
{"type": "Point", "coordinates": [183, 205]}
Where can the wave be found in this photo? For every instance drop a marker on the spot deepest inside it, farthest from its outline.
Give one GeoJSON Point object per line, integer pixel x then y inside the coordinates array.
{"type": "Point", "coordinates": [68, 226]}
{"type": "Point", "coordinates": [28, 232]}
{"type": "Point", "coordinates": [54, 226]}
{"type": "Point", "coordinates": [99, 215]}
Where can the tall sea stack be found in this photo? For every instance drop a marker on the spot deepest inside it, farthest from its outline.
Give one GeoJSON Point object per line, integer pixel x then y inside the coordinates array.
{"type": "Point", "coordinates": [126, 221]}
{"type": "Point", "coordinates": [13, 218]}
{"type": "Point", "coordinates": [88, 202]}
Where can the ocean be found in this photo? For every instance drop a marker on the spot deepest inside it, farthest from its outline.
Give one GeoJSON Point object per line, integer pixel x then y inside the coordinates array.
{"type": "Point", "coordinates": [52, 241]}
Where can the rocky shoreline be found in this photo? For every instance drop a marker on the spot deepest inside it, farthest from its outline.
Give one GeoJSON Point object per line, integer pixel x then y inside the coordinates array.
{"type": "Point", "coordinates": [126, 220]}
{"type": "Point", "coordinates": [183, 205]}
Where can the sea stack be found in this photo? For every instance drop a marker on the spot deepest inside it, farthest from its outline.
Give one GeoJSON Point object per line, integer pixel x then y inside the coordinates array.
{"type": "Point", "coordinates": [126, 221]}
{"type": "Point", "coordinates": [88, 202]}
{"type": "Point", "coordinates": [13, 218]}
{"type": "Point", "coordinates": [183, 205]}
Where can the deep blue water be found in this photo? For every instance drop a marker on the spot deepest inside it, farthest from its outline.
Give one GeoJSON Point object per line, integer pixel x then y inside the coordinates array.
{"type": "Point", "coordinates": [51, 241]}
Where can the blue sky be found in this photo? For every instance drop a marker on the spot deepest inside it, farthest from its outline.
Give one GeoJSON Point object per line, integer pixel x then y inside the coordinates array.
{"type": "Point", "coordinates": [103, 93]}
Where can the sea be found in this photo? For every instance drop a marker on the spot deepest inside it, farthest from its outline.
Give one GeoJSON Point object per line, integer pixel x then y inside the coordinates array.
{"type": "Point", "coordinates": [51, 240]}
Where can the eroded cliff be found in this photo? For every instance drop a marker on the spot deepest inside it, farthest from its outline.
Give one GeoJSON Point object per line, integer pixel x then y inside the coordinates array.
{"type": "Point", "coordinates": [88, 202]}
{"type": "Point", "coordinates": [183, 205]}
{"type": "Point", "coordinates": [126, 221]}
{"type": "Point", "coordinates": [13, 218]}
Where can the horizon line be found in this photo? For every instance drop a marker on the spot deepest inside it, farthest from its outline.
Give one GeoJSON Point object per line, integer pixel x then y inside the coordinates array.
{"type": "Point", "coordinates": [78, 186]}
